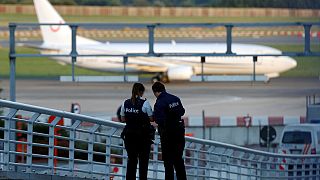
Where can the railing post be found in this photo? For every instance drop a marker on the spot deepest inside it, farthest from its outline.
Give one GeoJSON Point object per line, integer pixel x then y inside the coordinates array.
{"type": "Point", "coordinates": [30, 141]}
{"type": "Point", "coordinates": [12, 57]}
{"type": "Point", "coordinates": [74, 52]}
{"type": "Point", "coordinates": [208, 163]}
{"type": "Point", "coordinates": [7, 137]}
{"type": "Point", "coordinates": [238, 164]}
{"type": "Point", "coordinates": [228, 164]}
{"type": "Point", "coordinates": [259, 168]}
{"type": "Point", "coordinates": [220, 164]}
{"type": "Point", "coordinates": [196, 159]}
{"type": "Point", "coordinates": [229, 38]}
{"type": "Point", "coordinates": [203, 125]}
{"type": "Point", "coordinates": [125, 61]}
{"type": "Point", "coordinates": [203, 60]}
{"type": "Point", "coordinates": [90, 148]}
{"type": "Point", "coordinates": [108, 159]}
{"type": "Point", "coordinates": [155, 157]}
{"type": "Point", "coordinates": [255, 59]}
{"type": "Point", "coordinates": [12, 52]}
{"type": "Point", "coordinates": [72, 145]}
{"type": "Point", "coordinates": [151, 39]}
{"type": "Point", "coordinates": [124, 161]}
{"type": "Point", "coordinates": [307, 28]}
{"type": "Point", "coordinates": [51, 143]}
{"type": "Point", "coordinates": [108, 153]}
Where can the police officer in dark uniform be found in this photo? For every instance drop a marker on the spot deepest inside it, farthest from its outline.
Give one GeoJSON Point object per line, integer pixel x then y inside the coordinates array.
{"type": "Point", "coordinates": [168, 110]}
{"type": "Point", "coordinates": [137, 114]}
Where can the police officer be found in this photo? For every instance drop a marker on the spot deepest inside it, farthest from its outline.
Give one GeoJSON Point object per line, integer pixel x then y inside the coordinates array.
{"type": "Point", "coordinates": [168, 110]}
{"type": "Point", "coordinates": [137, 114]}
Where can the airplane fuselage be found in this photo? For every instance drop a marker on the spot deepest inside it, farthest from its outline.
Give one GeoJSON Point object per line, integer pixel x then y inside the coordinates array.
{"type": "Point", "coordinates": [266, 65]}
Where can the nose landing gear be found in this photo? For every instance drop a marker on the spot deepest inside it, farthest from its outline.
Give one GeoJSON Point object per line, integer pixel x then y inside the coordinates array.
{"type": "Point", "coordinates": [163, 77]}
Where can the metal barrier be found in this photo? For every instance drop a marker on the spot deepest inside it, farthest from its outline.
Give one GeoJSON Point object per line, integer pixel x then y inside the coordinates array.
{"type": "Point", "coordinates": [151, 42]}
{"type": "Point", "coordinates": [313, 109]}
{"type": "Point", "coordinates": [87, 147]}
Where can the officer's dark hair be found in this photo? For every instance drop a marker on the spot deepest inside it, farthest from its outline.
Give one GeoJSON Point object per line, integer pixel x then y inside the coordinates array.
{"type": "Point", "coordinates": [137, 89]}
{"type": "Point", "coordinates": [158, 87]}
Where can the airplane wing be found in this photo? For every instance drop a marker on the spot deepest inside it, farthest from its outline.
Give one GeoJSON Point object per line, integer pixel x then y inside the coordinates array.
{"type": "Point", "coordinates": [36, 46]}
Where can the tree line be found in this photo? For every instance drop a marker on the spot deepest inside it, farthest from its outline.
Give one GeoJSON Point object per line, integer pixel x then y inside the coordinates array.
{"type": "Point", "coordinates": [301, 4]}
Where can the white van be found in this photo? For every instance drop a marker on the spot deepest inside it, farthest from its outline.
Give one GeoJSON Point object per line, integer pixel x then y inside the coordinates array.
{"type": "Point", "coordinates": [300, 139]}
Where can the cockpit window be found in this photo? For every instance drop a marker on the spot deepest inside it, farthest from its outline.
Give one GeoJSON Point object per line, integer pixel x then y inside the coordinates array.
{"type": "Point", "coordinates": [297, 137]}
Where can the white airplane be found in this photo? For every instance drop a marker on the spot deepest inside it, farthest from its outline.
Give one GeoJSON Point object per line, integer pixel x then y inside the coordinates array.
{"type": "Point", "coordinates": [57, 39]}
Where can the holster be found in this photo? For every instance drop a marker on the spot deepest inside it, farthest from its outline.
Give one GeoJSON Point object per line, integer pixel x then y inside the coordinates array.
{"type": "Point", "coordinates": [124, 132]}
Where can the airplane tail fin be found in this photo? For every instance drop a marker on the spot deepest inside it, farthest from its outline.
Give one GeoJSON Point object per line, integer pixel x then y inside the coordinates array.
{"type": "Point", "coordinates": [55, 35]}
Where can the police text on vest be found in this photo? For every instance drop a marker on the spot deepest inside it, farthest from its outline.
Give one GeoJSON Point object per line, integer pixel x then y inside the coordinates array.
{"type": "Point", "coordinates": [172, 105]}
{"type": "Point", "coordinates": [132, 110]}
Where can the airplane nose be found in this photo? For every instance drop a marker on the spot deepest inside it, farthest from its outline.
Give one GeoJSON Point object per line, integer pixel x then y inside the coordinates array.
{"type": "Point", "coordinates": [290, 62]}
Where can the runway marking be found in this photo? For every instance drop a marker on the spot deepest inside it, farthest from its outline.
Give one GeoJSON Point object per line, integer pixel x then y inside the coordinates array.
{"type": "Point", "coordinates": [215, 102]}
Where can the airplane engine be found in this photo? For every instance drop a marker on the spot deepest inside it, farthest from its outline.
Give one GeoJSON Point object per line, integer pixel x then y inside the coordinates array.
{"type": "Point", "coordinates": [180, 73]}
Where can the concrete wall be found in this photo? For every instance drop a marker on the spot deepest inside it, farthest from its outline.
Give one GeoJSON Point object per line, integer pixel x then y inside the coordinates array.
{"type": "Point", "coordinates": [167, 11]}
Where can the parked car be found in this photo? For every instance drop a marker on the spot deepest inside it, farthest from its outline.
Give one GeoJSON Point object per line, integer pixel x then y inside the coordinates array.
{"type": "Point", "coordinates": [300, 139]}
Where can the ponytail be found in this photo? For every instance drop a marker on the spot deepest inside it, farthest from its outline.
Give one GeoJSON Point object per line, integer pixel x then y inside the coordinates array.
{"type": "Point", "coordinates": [137, 90]}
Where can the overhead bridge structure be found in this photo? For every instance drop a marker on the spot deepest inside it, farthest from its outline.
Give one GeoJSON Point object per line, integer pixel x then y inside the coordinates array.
{"type": "Point", "coordinates": [42, 143]}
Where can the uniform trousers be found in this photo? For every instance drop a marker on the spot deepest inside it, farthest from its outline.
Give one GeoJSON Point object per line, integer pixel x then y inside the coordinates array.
{"type": "Point", "coordinates": [172, 145]}
{"type": "Point", "coordinates": [138, 148]}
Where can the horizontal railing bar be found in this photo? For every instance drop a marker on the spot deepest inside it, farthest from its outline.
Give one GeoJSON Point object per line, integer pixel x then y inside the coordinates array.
{"type": "Point", "coordinates": [102, 134]}
{"type": "Point", "coordinates": [18, 142]}
{"type": "Point", "coordinates": [64, 114]}
{"type": "Point", "coordinates": [61, 158]}
{"type": "Point", "coordinates": [117, 165]}
{"type": "Point", "coordinates": [82, 131]}
{"type": "Point", "coordinates": [40, 145]}
{"type": "Point", "coordinates": [80, 160]}
{"type": "Point", "coordinates": [99, 153]}
{"type": "Point", "coordinates": [32, 165]}
{"type": "Point", "coordinates": [252, 151]}
{"type": "Point", "coordinates": [116, 146]}
{"type": "Point", "coordinates": [19, 131]}
{"type": "Point", "coordinates": [292, 54]}
{"type": "Point", "coordinates": [60, 137]}
{"type": "Point", "coordinates": [196, 175]}
{"type": "Point", "coordinates": [62, 148]}
{"type": "Point", "coordinates": [20, 119]}
{"type": "Point", "coordinates": [18, 153]}
{"type": "Point", "coordinates": [87, 131]}
{"type": "Point", "coordinates": [100, 143]}
{"type": "Point", "coordinates": [168, 25]}
{"type": "Point", "coordinates": [118, 156]}
{"type": "Point", "coordinates": [81, 150]}
{"type": "Point", "coordinates": [81, 141]}
{"type": "Point", "coordinates": [84, 171]}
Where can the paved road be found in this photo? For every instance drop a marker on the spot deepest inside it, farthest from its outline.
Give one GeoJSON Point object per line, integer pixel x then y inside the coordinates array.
{"type": "Point", "coordinates": [279, 97]}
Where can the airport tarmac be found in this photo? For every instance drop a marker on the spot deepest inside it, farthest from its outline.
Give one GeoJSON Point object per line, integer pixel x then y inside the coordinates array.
{"type": "Point", "coordinates": [280, 97]}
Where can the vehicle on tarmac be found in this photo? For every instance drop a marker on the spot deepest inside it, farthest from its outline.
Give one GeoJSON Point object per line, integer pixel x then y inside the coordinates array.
{"type": "Point", "coordinates": [300, 139]}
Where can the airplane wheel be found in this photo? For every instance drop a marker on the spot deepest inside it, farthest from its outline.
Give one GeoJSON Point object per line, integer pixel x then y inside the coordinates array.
{"type": "Point", "coordinates": [165, 79]}
{"type": "Point", "coordinates": [155, 79]}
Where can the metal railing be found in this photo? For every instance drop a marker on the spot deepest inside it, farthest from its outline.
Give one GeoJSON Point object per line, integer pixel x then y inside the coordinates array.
{"type": "Point", "coordinates": [87, 147]}
{"type": "Point", "coordinates": [151, 41]}
{"type": "Point", "coordinates": [313, 109]}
